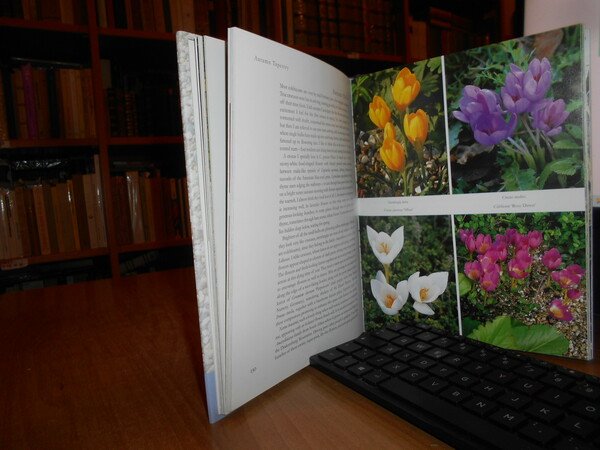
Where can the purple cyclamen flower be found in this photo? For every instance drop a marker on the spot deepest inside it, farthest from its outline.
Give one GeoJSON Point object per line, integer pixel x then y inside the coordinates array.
{"type": "Point", "coordinates": [548, 116]}
{"type": "Point", "coordinates": [537, 80]}
{"type": "Point", "coordinates": [492, 128]}
{"type": "Point", "coordinates": [512, 94]}
{"type": "Point", "coordinates": [476, 101]}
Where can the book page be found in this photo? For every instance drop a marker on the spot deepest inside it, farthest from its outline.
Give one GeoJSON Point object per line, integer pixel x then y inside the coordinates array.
{"type": "Point", "coordinates": [294, 286]}
{"type": "Point", "coordinates": [473, 183]}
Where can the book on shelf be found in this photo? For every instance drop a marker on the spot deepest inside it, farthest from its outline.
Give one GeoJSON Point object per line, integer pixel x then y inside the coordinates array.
{"type": "Point", "coordinates": [45, 216]}
{"type": "Point", "coordinates": [453, 191]}
{"type": "Point", "coordinates": [46, 99]}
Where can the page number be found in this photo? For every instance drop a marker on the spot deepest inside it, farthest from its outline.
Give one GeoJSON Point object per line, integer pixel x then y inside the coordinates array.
{"type": "Point", "coordinates": [253, 370]}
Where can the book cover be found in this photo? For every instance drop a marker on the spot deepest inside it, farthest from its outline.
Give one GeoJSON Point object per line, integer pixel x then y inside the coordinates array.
{"type": "Point", "coordinates": [452, 191]}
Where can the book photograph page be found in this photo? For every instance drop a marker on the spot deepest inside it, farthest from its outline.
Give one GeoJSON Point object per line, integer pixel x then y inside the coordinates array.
{"type": "Point", "coordinates": [479, 160]}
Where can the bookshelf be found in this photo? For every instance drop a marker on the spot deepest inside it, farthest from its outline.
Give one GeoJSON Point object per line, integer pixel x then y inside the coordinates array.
{"type": "Point", "coordinates": [91, 157]}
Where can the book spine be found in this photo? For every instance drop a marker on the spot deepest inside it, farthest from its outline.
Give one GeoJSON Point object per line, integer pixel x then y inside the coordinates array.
{"type": "Point", "coordinates": [50, 218]}
{"type": "Point", "coordinates": [42, 219]}
{"type": "Point", "coordinates": [99, 203]}
{"type": "Point", "coordinates": [88, 189]}
{"type": "Point", "coordinates": [40, 82]}
{"type": "Point", "coordinates": [20, 110]}
{"type": "Point", "coordinates": [80, 211]}
{"type": "Point", "coordinates": [4, 134]}
{"type": "Point", "coordinates": [21, 216]}
{"type": "Point", "coordinates": [4, 226]}
{"type": "Point", "coordinates": [135, 206]}
{"type": "Point", "coordinates": [31, 222]}
{"type": "Point", "coordinates": [72, 208]}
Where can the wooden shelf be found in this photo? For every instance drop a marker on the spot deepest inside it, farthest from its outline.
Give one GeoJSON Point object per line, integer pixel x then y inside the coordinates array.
{"type": "Point", "coordinates": [43, 25]}
{"type": "Point", "coordinates": [51, 143]}
{"type": "Point", "coordinates": [136, 34]}
{"type": "Point", "coordinates": [144, 246]}
{"type": "Point", "coordinates": [55, 257]}
{"type": "Point", "coordinates": [145, 140]}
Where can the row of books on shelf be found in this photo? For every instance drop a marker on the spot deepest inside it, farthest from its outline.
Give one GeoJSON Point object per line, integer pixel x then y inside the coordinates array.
{"type": "Point", "coordinates": [149, 207]}
{"type": "Point", "coordinates": [156, 15]}
{"type": "Point", "coordinates": [444, 32]}
{"type": "Point", "coordinates": [349, 25]}
{"type": "Point", "coordinates": [64, 11]}
{"type": "Point", "coordinates": [52, 217]}
{"type": "Point", "coordinates": [46, 101]}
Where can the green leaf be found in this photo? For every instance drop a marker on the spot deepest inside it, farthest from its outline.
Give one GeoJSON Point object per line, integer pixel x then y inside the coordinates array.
{"type": "Point", "coordinates": [566, 144]}
{"type": "Point", "coordinates": [453, 132]}
{"type": "Point", "coordinates": [516, 179]}
{"type": "Point", "coordinates": [464, 284]}
{"type": "Point", "coordinates": [567, 166]}
{"type": "Point", "coordinates": [469, 324]}
{"type": "Point", "coordinates": [540, 338]}
{"type": "Point", "coordinates": [498, 332]}
{"type": "Point", "coordinates": [575, 131]}
{"type": "Point", "coordinates": [574, 104]}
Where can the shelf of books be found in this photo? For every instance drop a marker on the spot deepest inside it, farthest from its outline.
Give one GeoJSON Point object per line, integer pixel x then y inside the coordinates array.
{"type": "Point", "coordinates": [92, 175]}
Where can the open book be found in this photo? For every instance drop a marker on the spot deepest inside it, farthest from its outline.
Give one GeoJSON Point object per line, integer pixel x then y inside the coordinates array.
{"type": "Point", "coordinates": [452, 191]}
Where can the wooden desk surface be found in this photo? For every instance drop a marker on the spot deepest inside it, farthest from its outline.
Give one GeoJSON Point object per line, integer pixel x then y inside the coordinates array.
{"type": "Point", "coordinates": [110, 364]}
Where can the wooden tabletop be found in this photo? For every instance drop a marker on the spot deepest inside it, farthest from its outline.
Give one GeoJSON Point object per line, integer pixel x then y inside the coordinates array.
{"type": "Point", "coordinates": [117, 364]}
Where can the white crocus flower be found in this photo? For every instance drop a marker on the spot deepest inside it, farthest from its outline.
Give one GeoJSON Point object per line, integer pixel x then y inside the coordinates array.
{"type": "Point", "coordinates": [426, 289]}
{"type": "Point", "coordinates": [386, 247]}
{"type": "Point", "coordinates": [390, 300]}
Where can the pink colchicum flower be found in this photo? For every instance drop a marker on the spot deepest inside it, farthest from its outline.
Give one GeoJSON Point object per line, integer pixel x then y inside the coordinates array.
{"type": "Point", "coordinates": [552, 259]}
{"type": "Point", "coordinates": [573, 294]}
{"type": "Point", "coordinates": [512, 235]}
{"type": "Point", "coordinates": [517, 269]}
{"type": "Point", "coordinates": [576, 269]}
{"type": "Point", "coordinates": [548, 116]}
{"type": "Point", "coordinates": [535, 238]}
{"type": "Point", "coordinates": [500, 249]}
{"type": "Point", "coordinates": [524, 258]}
{"type": "Point", "coordinates": [565, 278]}
{"type": "Point", "coordinates": [559, 310]}
{"type": "Point", "coordinates": [473, 270]}
{"type": "Point", "coordinates": [483, 242]}
{"type": "Point", "coordinates": [490, 280]}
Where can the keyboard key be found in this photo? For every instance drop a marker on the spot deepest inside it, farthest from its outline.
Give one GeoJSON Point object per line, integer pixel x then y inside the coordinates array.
{"type": "Point", "coordinates": [477, 368]}
{"type": "Point", "coordinates": [505, 362]}
{"type": "Point", "coordinates": [433, 385]}
{"type": "Point", "coordinates": [441, 370]}
{"type": "Point", "coordinates": [345, 362]}
{"type": "Point", "coordinates": [514, 400]}
{"type": "Point", "coordinates": [331, 355]}
{"type": "Point", "coordinates": [410, 331]}
{"type": "Point", "coordinates": [395, 367]}
{"type": "Point", "coordinates": [462, 348]}
{"type": "Point", "coordinates": [483, 355]}
{"type": "Point", "coordinates": [545, 413]}
{"type": "Point", "coordinates": [530, 371]}
{"type": "Point", "coordinates": [363, 353]}
{"type": "Point", "coordinates": [455, 395]}
{"type": "Point", "coordinates": [422, 362]}
{"type": "Point", "coordinates": [375, 377]}
{"type": "Point", "coordinates": [488, 390]}
{"type": "Point", "coordinates": [480, 406]}
{"type": "Point", "coordinates": [586, 389]}
{"type": "Point", "coordinates": [405, 355]}
{"type": "Point", "coordinates": [500, 376]}
{"type": "Point", "coordinates": [396, 326]}
{"type": "Point", "coordinates": [556, 397]}
{"type": "Point", "coordinates": [587, 409]}
{"type": "Point", "coordinates": [539, 432]}
{"type": "Point", "coordinates": [462, 379]}
{"type": "Point", "coordinates": [508, 418]}
{"type": "Point", "coordinates": [379, 360]}
{"type": "Point", "coordinates": [419, 347]}
{"type": "Point", "coordinates": [579, 427]}
{"type": "Point", "coordinates": [349, 347]}
{"type": "Point", "coordinates": [403, 341]}
{"type": "Point", "coordinates": [367, 340]}
{"type": "Point", "coordinates": [456, 360]}
{"type": "Point", "coordinates": [389, 349]}
{"type": "Point", "coordinates": [571, 443]}
{"type": "Point", "coordinates": [557, 380]}
{"type": "Point", "coordinates": [413, 375]}
{"type": "Point", "coordinates": [528, 387]}
{"type": "Point", "coordinates": [444, 342]}
{"type": "Point", "coordinates": [436, 353]}
{"type": "Point", "coordinates": [385, 334]}
{"type": "Point", "coordinates": [427, 336]}
{"type": "Point", "coordinates": [360, 369]}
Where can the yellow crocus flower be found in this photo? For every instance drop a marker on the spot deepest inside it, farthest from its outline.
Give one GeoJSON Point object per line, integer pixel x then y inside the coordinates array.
{"type": "Point", "coordinates": [405, 89]}
{"type": "Point", "coordinates": [393, 154]}
{"type": "Point", "coordinates": [416, 127]}
{"type": "Point", "coordinates": [389, 131]}
{"type": "Point", "coordinates": [379, 112]}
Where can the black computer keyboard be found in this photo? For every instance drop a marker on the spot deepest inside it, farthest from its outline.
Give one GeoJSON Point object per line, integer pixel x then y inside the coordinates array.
{"type": "Point", "coordinates": [466, 393]}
